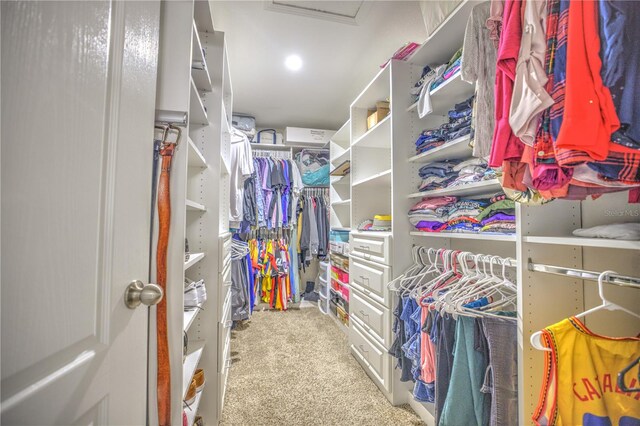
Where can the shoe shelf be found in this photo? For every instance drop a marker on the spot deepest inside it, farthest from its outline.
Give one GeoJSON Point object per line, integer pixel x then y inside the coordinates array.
{"type": "Point", "coordinates": [488, 187]}
{"type": "Point", "coordinates": [190, 316]}
{"type": "Point", "coordinates": [190, 364]}
{"type": "Point", "coordinates": [193, 259]}
{"type": "Point", "coordinates": [192, 410]}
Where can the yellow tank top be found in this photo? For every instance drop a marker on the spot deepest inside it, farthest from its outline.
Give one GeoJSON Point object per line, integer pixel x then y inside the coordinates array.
{"type": "Point", "coordinates": [581, 371]}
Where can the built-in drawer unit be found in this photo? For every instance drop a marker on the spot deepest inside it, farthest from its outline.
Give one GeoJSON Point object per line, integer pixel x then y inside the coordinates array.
{"type": "Point", "coordinates": [370, 246]}
{"type": "Point", "coordinates": [224, 342]}
{"type": "Point", "coordinates": [371, 279]}
{"type": "Point", "coordinates": [373, 357]}
{"type": "Point", "coordinates": [374, 318]}
{"type": "Point", "coordinates": [224, 284]}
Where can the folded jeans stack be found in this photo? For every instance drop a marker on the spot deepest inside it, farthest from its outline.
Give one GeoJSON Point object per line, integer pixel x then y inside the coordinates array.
{"type": "Point", "coordinates": [447, 174]}
{"type": "Point", "coordinates": [459, 125]}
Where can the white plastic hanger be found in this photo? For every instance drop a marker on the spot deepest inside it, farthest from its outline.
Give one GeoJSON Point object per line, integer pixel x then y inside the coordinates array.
{"type": "Point", "coordinates": [535, 339]}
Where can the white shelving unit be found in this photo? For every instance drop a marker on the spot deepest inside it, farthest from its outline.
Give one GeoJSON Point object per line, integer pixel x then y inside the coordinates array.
{"type": "Point", "coordinates": [453, 150]}
{"type": "Point", "coordinates": [193, 76]}
{"type": "Point", "coordinates": [384, 168]}
{"type": "Point", "coordinates": [466, 236]}
{"type": "Point", "coordinates": [193, 206]}
{"type": "Point", "coordinates": [339, 188]}
{"type": "Point", "coordinates": [487, 187]}
{"type": "Point", "coordinates": [584, 242]}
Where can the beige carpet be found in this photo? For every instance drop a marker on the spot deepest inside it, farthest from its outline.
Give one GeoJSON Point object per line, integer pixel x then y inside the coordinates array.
{"type": "Point", "coordinates": [294, 368]}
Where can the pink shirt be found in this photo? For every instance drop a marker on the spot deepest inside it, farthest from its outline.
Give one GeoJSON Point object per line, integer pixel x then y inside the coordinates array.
{"type": "Point", "coordinates": [506, 146]}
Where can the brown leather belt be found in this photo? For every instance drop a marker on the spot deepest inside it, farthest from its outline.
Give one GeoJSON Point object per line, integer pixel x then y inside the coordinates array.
{"type": "Point", "coordinates": [164, 222]}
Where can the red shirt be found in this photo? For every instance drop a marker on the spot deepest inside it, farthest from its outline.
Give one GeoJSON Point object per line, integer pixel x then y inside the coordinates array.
{"type": "Point", "coordinates": [506, 146]}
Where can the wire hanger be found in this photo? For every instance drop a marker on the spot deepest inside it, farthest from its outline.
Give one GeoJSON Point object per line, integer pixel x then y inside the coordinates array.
{"type": "Point", "coordinates": [535, 338]}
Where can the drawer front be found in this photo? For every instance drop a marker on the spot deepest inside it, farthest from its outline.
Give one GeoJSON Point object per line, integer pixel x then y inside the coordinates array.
{"type": "Point", "coordinates": [374, 318]}
{"type": "Point", "coordinates": [224, 347]}
{"type": "Point", "coordinates": [224, 312]}
{"type": "Point", "coordinates": [224, 284]}
{"type": "Point", "coordinates": [375, 360]}
{"type": "Point", "coordinates": [371, 247]}
{"type": "Point", "coordinates": [372, 278]}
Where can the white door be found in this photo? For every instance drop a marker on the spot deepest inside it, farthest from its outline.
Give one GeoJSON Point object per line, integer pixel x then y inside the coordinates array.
{"type": "Point", "coordinates": [78, 95]}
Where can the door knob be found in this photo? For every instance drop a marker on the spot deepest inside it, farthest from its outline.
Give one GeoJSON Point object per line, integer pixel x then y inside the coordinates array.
{"type": "Point", "coordinates": [137, 293]}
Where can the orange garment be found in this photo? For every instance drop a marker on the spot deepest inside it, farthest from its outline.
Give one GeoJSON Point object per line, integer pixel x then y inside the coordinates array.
{"type": "Point", "coordinates": [589, 116]}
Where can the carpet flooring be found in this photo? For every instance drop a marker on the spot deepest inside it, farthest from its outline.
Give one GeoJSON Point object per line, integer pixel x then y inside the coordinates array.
{"type": "Point", "coordinates": [294, 368]}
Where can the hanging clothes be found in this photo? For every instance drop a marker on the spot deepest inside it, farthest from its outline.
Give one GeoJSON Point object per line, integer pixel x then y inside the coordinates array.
{"type": "Point", "coordinates": [580, 377]}
{"type": "Point", "coordinates": [241, 168]}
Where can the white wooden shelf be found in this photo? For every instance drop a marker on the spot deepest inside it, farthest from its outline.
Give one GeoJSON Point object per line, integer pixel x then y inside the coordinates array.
{"type": "Point", "coordinates": [379, 136]}
{"type": "Point", "coordinates": [193, 259]}
{"type": "Point", "coordinates": [341, 203]}
{"type": "Point", "coordinates": [193, 206]}
{"type": "Point", "coordinates": [344, 180]}
{"type": "Point", "coordinates": [378, 90]}
{"type": "Point", "coordinates": [449, 93]}
{"type": "Point", "coordinates": [189, 316]}
{"type": "Point", "coordinates": [197, 114]}
{"type": "Point", "coordinates": [467, 236]}
{"type": "Point", "coordinates": [446, 39]}
{"type": "Point", "coordinates": [196, 159]}
{"type": "Point", "coordinates": [342, 157]}
{"type": "Point", "coordinates": [486, 187]}
{"type": "Point", "coordinates": [383, 178]}
{"type": "Point", "coordinates": [456, 149]}
{"type": "Point", "coordinates": [191, 364]}
{"type": "Point", "coordinates": [192, 411]}
{"type": "Point", "coordinates": [224, 167]}
{"type": "Point", "coordinates": [226, 127]}
{"type": "Point", "coordinates": [584, 242]}
{"type": "Point", "coordinates": [342, 136]}
{"type": "Point", "coordinates": [270, 147]}
{"type": "Point", "coordinates": [201, 79]}
{"type": "Point", "coordinates": [197, 54]}
{"type": "Point", "coordinates": [340, 228]}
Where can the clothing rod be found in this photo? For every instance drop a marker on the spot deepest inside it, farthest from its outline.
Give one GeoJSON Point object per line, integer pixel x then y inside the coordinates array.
{"type": "Point", "coordinates": [177, 118]}
{"type": "Point", "coordinates": [619, 280]}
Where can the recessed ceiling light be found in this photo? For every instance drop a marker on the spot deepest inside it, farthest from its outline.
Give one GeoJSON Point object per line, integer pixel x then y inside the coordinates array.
{"type": "Point", "coordinates": [293, 62]}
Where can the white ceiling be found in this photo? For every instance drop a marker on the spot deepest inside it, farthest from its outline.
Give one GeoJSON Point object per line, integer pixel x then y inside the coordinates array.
{"type": "Point", "coordinates": [339, 58]}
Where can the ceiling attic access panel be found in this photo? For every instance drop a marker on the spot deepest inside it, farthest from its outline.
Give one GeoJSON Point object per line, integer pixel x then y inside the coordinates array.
{"type": "Point", "coordinates": [347, 12]}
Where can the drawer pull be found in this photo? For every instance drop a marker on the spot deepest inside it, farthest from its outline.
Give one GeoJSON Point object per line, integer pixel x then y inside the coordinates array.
{"type": "Point", "coordinates": [364, 313]}
{"type": "Point", "coordinates": [363, 349]}
{"type": "Point", "coordinates": [363, 247]}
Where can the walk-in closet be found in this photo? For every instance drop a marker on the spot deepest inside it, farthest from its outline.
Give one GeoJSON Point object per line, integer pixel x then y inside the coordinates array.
{"type": "Point", "coordinates": [320, 212]}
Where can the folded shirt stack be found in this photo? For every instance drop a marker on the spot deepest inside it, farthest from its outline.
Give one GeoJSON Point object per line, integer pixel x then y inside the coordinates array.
{"type": "Point", "coordinates": [499, 216]}
{"type": "Point", "coordinates": [453, 215]}
{"type": "Point", "coordinates": [453, 67]}
{"type": "Point", "coordinates": [447, 174]}
{"type": "Point", "coordinates": [459, 125]}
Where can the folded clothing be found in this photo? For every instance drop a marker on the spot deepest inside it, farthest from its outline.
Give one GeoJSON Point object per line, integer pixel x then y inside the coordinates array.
{"type": "Point", "coordinates": [432, 203]}
{"type": "Point", "coordinates": [459, 125]}
{"type": "Point", "coordinates": [449, 214]}
{"type": "Point", "coordinates": [615, 231]}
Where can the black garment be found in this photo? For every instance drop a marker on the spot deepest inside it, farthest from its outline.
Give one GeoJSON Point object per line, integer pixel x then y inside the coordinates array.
{"type": "Point", "coordinates": [446, 332]}
{"type": "Point", "coordinates": [249, 202]}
